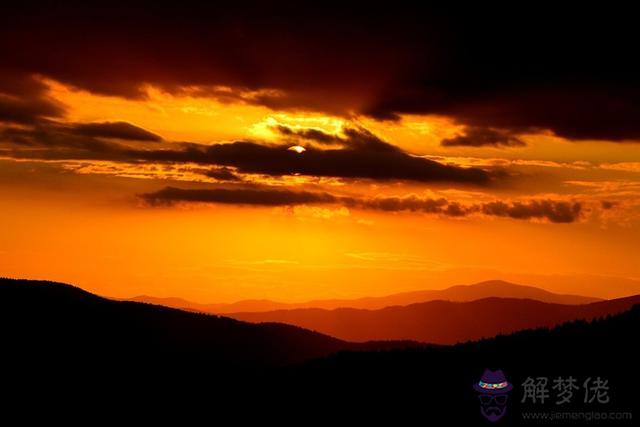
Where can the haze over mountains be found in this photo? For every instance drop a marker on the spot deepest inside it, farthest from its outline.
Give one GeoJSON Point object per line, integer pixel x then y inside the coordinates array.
{"type": "Point", "coordinates": [486, 289]}
{"type": "Point", "coordinates": [456, 314]}
{"type": "Point", "coordinates": [439, 322]}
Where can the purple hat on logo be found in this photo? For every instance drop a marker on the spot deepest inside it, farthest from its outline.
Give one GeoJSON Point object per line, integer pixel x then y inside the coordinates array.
{"type": "Point", "coordinates": [493, 382]}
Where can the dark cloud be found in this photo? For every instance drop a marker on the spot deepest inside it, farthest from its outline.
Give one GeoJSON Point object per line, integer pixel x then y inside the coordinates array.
{"type": "Point", "coordinates": [352, 137]}
{"type": "Point", "coordinates": [315, 135]}
{"type": "Point", "coordinates": [52, 142]}
{"type": "Point", "coordinates": [56, 140]}
{"type": "Point", "coordinates": [242, 196]}
{"type": "Point", "coordinates": [413, 204]}
{"type": "Point", "coordinates": [378, 162]}
{"type": "Point", "coordinates": [591, 112]}
{"type": "Point", "coordinates": [372, 157]}
{"type": "Point", "coordinates": [548, 210]}
{"type": "Point", "coordinates": [364, 156]}
{"type": "Point", "coordinates": [569, 70]}
{"type": "Point", "coordinates": [554, 211]}
{"type": "Point", "coordinates": [482, 137]}
{"type": "Point", "coordinates": [27, 110]}
{"type": "Point", "coordinates": [223, 174]}
{"type": "Point", "coordinates": [115, 130]}
{"type": "Point", "coordinates": [24, 99]}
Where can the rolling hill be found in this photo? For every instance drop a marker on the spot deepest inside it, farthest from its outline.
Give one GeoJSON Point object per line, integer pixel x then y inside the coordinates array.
{"type": "Point", "coordinates": [434, 384]}
{"type": "Point", "coordinates": [439, 322]}
{"type": "Point", "coordinates": [67, 324]}
{"type": "Point", "coordinates": [67, 349]}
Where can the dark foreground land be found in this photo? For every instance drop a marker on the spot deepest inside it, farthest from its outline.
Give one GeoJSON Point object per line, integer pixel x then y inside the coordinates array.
{"type": "Point", "coordinates": [65, 347]}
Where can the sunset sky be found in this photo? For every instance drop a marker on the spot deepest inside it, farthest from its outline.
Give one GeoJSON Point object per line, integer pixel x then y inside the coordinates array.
{"type": "Point", "coordinates": [290, 152]}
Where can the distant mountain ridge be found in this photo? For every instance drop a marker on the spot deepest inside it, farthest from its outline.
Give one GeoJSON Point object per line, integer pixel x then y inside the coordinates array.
{"type": "Point", "coordinates": [440, 322]}
{"type": "Point", "coordinates": [491, 288]}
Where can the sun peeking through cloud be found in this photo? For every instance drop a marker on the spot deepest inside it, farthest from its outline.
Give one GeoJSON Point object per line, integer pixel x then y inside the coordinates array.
{"type": "Point", "coordinates": [297, 148]}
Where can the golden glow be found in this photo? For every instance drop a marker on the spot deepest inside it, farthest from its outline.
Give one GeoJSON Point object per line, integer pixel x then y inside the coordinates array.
{"type": "Point", "coordinates": [297, 148]}
{"type": "Point", "coordinates": [80, 222]}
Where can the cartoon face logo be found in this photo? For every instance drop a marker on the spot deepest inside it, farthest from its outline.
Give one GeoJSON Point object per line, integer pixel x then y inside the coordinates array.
{"type": "Point", "coordinates": [493, 389]}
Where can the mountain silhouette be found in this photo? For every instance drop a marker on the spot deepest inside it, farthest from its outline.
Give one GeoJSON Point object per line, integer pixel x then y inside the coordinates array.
{"type": "Point", "coordinates": [490, 288]}
{"type": "Point", "coordinates": [68, 348]}
{"type": "Point", "coordinates": [434, 384]}
{"type": "Point", "coordinates": [439, 322]}
{"type": "Point", "coordinates": [38, 317]}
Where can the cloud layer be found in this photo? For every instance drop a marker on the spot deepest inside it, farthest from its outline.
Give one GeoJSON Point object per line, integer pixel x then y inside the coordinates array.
{"type": "Point", "coordinates": [571, 72]}
{"type": "Point", "coordinates": [361, 156]}
{"type": "Point", "coordinates": [555, 211]}
{"type": "Point", "coordinates": [114, 130]}
{"type": "Point", "coordinates": [481, 137]}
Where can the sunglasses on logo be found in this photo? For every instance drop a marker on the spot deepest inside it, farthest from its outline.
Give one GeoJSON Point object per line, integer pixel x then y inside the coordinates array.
{"type": "Point", "coordinates": [486, 399]}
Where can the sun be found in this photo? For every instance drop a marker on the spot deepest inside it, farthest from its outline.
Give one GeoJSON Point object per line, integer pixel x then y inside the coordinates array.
{"type": "Point", "coordinates": [297, 148]}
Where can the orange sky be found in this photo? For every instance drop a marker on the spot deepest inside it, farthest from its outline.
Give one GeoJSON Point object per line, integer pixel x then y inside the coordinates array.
{"type": "Point", "coordinates": [82, 220]}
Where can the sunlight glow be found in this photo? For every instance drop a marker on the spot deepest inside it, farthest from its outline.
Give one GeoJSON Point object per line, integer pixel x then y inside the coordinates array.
{"type": "Point", "coordinates": [298, 149]}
